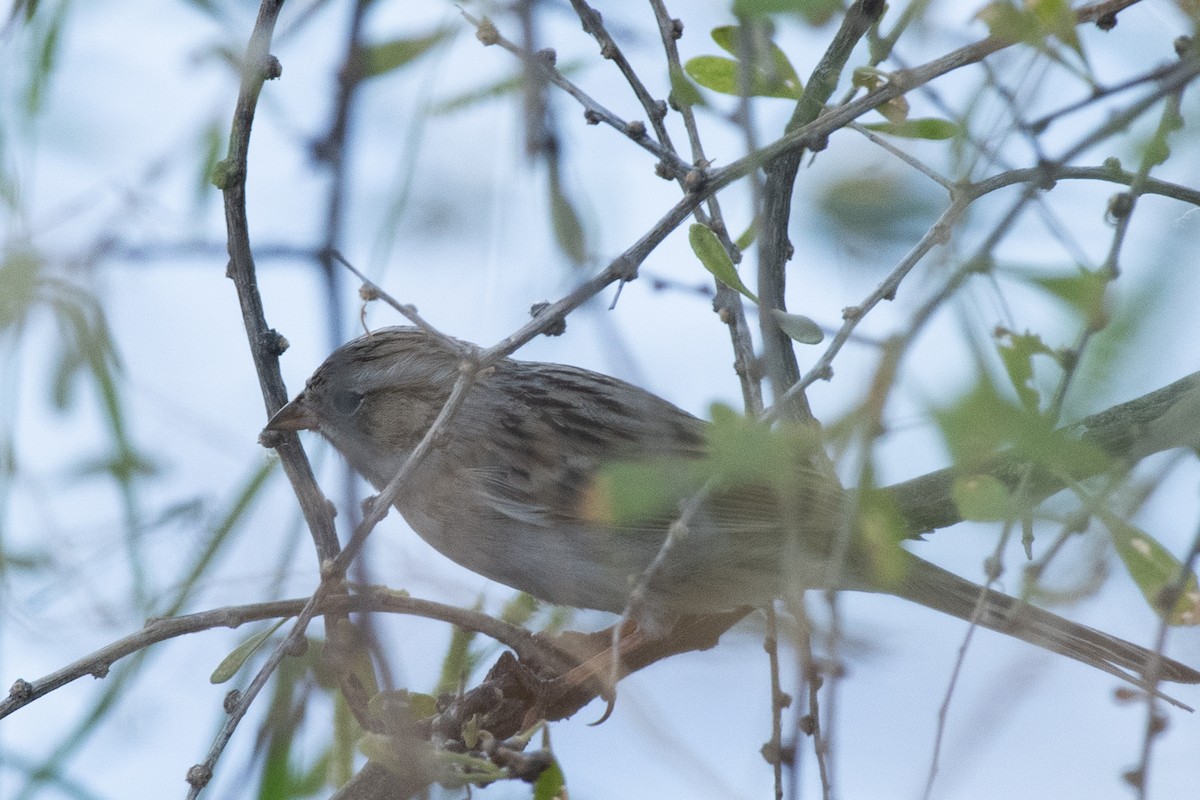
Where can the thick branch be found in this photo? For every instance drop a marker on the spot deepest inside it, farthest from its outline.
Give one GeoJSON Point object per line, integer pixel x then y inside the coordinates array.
{"type": "Point", "coordinates": [1128, 433]}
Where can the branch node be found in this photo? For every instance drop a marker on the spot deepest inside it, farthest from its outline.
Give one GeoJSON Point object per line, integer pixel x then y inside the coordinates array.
{"type": "Point", "coordinates": [556, 328]}
{"type": "Point", "coordinates": [275, 343]}
{"type": "Point", "coordinates": [199, 775]}
{"type": "Point", "coordinates": [695, 180]}
{"type": "Point", "coordinates": [486, 32]}
{"type": "Point", "coordinates": [271, 68]}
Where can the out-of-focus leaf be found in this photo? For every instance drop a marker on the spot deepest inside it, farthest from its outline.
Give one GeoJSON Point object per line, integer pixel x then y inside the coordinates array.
{"type": "Point", "coordinates": [982, 498]}
{"type": "Point", "coordinates": [814, 12]}
{"type": "Point", "coordinates": [746, 451]}
{"type": "Point", "coordinates": [881, 527]}
{"type": "Point", "coordinates": [1157, 150]}
{"type": "Point", "coordinates": [983, 422]}
{"type": "Point", "coordinates": [20, 280]}
{"type": "Point", "coordinates": [744, 456]}
{"type": "Point", "coordinates": [124, 465]}
{"type": "Point", "coordinates": [1033, 23]}
{"type": "Point", "coordinates": [520, 609]}
{"type": "Point", "coordinates": [1017, 357]}
{"type": "Point", "coordinates": [459, 662]}
{"type": "Point", "coordinates": [1058, 19]}
{"type": "Point", "coordinates": [500, 88]}
{"type": "Point", "coordinates": [1083, 291]}
{"type": "Point", "coordinates": [568, 229]}
{"type": "Point", "coordinates": [895, 110]}
{"type": "Point", "coordinates": [280, 778]}
{"type": "Point", "coordinates": [233, 662]}
{"type": "Point", "coordinates": [879, 206]}
{"type": "Point", "coordinates": [343, 747]}
{"type": "Point", "coordinates": [550, 783]}
{"type": "Point", "coordinates": [869, 78]}
{"type": "Point", "coordinates": [1154, 570]}
{"type": "Point", "coordinates": [624, 493]}
{"type": "Point", "coordinates": [712, 255]}
{"type": "Point", "coordinates": [308, 781]}
{"type": "Point", "coordinates": [748, 236]}
{"type": "Point", "coordinates": [49, 39]}
{"type": "Point", "coordinates": [378, 59]}
{"type": "Point", "coordinates": [926, 128]}
{"type": "Point", "coordinates": [798, 327]}
{"type": "Point", "coordinates": [684, 93]}
{"type": "Point", "coordinates": [212, 141]}
{"type": "Point", "coordinates": [394, 703]}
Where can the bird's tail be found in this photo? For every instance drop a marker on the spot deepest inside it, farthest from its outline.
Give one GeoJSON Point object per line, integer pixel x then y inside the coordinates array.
{"type": "Point", "coordinates": [944, 591]}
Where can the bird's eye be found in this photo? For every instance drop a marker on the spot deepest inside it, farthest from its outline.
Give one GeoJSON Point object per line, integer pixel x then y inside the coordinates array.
{"type": "Point", "coordinates": [346, 401]}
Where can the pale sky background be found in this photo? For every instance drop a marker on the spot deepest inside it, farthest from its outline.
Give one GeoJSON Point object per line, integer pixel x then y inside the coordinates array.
{"type": "Point", "coordinates": [139, 81]}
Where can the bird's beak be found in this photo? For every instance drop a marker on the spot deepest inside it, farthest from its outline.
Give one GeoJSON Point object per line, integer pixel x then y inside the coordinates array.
{"type": "Point", "coordinates": [295, 416]}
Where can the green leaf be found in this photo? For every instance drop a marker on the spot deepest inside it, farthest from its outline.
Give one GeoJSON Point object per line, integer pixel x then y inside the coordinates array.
{"type": "Point", "coordinates": [213, 144]}
{"type": "Point", "coordinates": [233, 662]}
{"type": "Point", "coordinates": [1154, 570]}
{"type": "Point", "coordinates": [627, 493]}
{"type": "Point", "coordinates": [550, 783]}
{"type": "Point", "coordinates": [926, 128]}
{"type": "Point", "coordinates": [378, 59]}
{"type": "Point", "coordinates": [881, 206]}
{"type": "Point", "coordinates": [814, 12]}
{"type": "Point", "coordinates": [1083, 291]}
{"type": "Point", "coordinates": [568, 229]}
{"type": "Point", "coordinates": [983, 423]}
{"type": "Point", "coordinates": [495, 89]}
{"type": "Point", "coordinates": [20, 281]}
{"type": "Point", "coordinates": [881, 528]}
{"type": "Point", "coordinates": [396, 708]}
{"type": "Point", "coordinates": [1017, 357]}
{"type": "Point", "coordinates": [1033, 23]}
{"type": "Point", "coordinates": [748, 236]}
{"type": "Point", "coordinates": [459, 661]}
{"type": "Point", "coordinates": [745, 457]}
{"type": "Point", "coordinates": [779, 72]}
{"type": "Point", "coordinates": [723, 75]}
{"type": "Point", "coordinates": [712, 255]}
{"type": "Point", "coordinates": [983, 498]}
{"type": "Point", "coordinates": [798, 327]}
{"type": "Point", "coordinates": [1057, 18]}
{"type": "Point", "coordinates": [1007, 21]}
{"type": "Point", "coordinates": [520, 609]}
{"type": "Point", "coordinates": [684, 93]}
{"type": "Point", "coordinates": [745, 452]}
{"type": "Point", "coordinates": [714, 72]}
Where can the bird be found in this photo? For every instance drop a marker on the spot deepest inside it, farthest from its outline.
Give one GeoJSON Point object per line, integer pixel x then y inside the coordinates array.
{"type": "Point", "coordinates": [526, 486]}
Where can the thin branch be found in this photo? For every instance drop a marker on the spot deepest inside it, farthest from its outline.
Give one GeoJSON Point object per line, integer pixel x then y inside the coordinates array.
{"type": "Point", "coordinates": [656, 110]}
{"type": "Point", "coordinates": [258, 66]}
{"type": "Point", "coordinates": [594, 112]}
{"type": "Point", "coordinates": [97, 664]}
{"type": "Point", "coordinates": [1139, 776]}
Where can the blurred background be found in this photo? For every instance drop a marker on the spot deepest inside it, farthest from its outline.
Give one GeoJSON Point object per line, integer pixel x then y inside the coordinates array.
{"type": "Point", "coordinates": [133, 486]}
